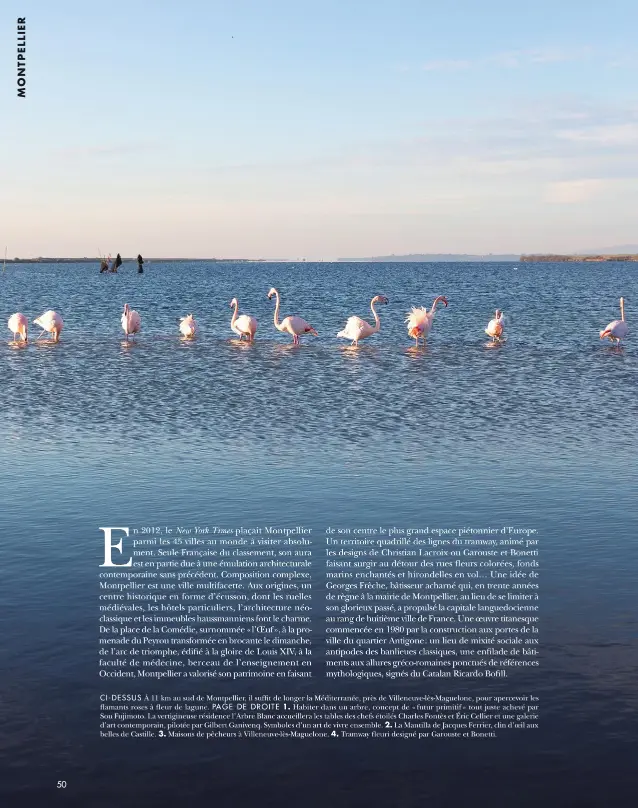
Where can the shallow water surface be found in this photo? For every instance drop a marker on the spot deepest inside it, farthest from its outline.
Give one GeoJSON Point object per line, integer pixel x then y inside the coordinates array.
{"type": "Point", "coordinates": [539, 432]}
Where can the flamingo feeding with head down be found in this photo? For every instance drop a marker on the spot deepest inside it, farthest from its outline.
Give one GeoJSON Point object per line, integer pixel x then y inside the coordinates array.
{"type": "Point", "coordinates": [188, 326]}
{"type": "Point", "coordinates": [356, 328]}
{"type": "Point", "coordinates": [292, 324]}
{"type": "Point", "coordinates": [52, 322]}
{"type": "Point", "coordinates": [244, 325]}
{"type": "Point", "coordinates": [419, 320]}
{"type": "Point", "coordinates": [131, 321]}
{"type": "Point", "coordinates": [496, 326]}
{"type": "Point", "coordinates": [19, 325]}
{"type": "Point", "coordinates": [617, 329]}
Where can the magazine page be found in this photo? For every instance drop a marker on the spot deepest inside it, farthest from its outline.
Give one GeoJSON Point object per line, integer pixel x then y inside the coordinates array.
{"type": "Point", "coordinates": [317, 479]}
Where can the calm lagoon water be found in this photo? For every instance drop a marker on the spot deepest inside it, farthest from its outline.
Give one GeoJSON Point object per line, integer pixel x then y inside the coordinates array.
{"type": "Point", "coordinates": [538, 432]}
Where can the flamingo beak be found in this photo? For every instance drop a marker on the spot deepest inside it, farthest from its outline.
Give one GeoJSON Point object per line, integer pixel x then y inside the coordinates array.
{"type": "Point", "coordinates": [445, 301]}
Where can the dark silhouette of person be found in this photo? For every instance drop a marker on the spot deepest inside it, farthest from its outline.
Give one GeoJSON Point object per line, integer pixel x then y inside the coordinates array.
{"type": "Point", "coordinates": [118, 262]}
{"type": "Point", "coordinates": [140, 264]}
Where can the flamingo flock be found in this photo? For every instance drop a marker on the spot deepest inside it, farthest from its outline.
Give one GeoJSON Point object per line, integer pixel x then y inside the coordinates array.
{"type": "Point", "coordinates": [50, 322]}
{"type": "Point", "coordinates": [419, 322]}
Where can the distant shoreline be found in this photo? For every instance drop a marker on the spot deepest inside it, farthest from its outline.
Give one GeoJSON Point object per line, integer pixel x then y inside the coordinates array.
{"type": "Point", "coordinates": [557, 259]}
{"type": "Point", "coordinates": [426, 258]}
{"type": "Point", "coordinates": [404, 259]}
{"type": "Point", "coordinates": [90, 260]}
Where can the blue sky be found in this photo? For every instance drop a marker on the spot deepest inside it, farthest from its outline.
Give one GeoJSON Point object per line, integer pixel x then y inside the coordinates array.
{"type": "Point", "coordinates": [289, 128]}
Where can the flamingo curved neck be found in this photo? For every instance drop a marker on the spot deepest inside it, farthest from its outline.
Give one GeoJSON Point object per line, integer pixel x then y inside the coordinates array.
{"type": "Point", "coordinates": [276, 316]}
{"type": "Point", "coordinates": [235, 309]}
{"type": "Point", "coordinates": [377, 322]}
{"type": "Point", "coordinates": [622, 309]}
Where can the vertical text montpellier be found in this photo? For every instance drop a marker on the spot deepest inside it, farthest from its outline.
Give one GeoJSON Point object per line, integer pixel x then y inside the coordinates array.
{"type": "Point", "coordinates": [22, 60]}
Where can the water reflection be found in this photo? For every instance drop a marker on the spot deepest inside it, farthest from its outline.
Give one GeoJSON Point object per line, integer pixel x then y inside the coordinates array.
{"type": "Point", "coordinates": [416, 351]}
{"type": "Point", "coordinates": [128, 344]}
{"type": "Point", "coordinates": [241, 344]}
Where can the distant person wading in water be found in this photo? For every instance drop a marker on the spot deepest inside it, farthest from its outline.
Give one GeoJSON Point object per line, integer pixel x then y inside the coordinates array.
{"type": "Point", "coordinates": [118, 262]}
{"type": "Point", "coordinates": [140, 264]}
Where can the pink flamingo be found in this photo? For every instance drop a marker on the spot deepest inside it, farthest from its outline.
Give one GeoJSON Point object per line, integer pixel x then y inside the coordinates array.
{"type": "Point", "coordinates": [496, 326]}
{"type": "Point", "coordinates": [52, 322]}
{"type": "Point", "coordinates": [187, 326]}
{"type": "Point", "coordinates": [244, 325]}
{"type": "Point", "coordinates": [356, 328]}
{"type": "Point", "coordinates": [19, 325]}
{"type": "Point", "coordinates": [131, 321]}
{"type": "Point", "coordinates": [419, 320]}
{"type": "Point", "coordinates": [292, 324]}
{"type": "Point", "coordinates": [617, 329]}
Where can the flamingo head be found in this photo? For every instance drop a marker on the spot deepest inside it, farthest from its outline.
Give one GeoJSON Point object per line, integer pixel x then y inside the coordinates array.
{"type": "Point", "coordinates": [272, 292]}
{"type": "Point", "coordinates": [498, 314]}
{"type": "Point", "coordinates": [126, 308]}
{"type": "Point", "coordinates": [381, 299]}
{"type": "Point", "coordinates": [443, 300]}
{"type": "Point", "coordinates": [233, 302]}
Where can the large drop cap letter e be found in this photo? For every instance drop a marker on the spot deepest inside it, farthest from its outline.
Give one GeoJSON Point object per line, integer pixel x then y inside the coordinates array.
{"type": "Point", "coordinates": [109, 546]}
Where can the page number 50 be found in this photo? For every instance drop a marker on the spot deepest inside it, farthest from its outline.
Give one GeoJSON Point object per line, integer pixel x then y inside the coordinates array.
{"type": "Point", "coordinates": [61, 783]}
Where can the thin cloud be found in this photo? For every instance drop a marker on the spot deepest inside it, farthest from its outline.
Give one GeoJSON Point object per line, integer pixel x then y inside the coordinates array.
{"type": "Point", "coordinates": [447, 64]}
{"type": "Point", "coordinates": [574, 192]}
{"type": "Point", "coordinates": [551, 144]}
{"type": "Point", "coordinates": [624, 62]}
{"type": "Point", "coordinates": [513, 59]}
{"type": "Point", "coordinates": [539, 56]}
{"type": "Point", "coordinates": [625, 134]}
{"type": "Point", "coordinates": [107, 150]}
